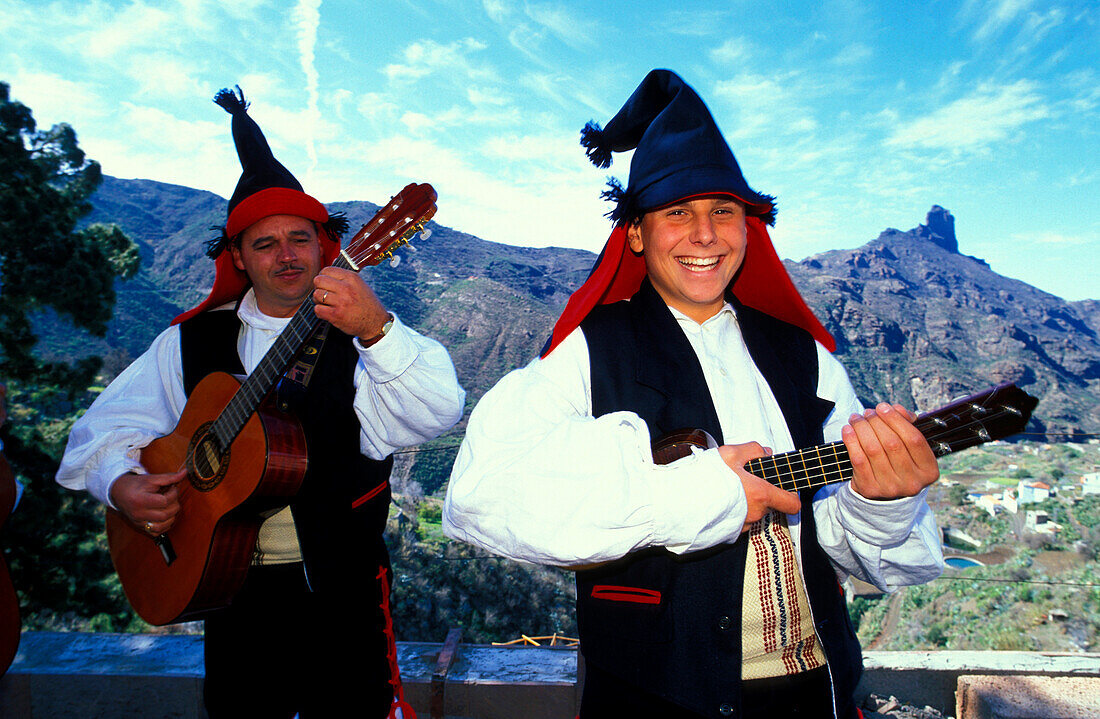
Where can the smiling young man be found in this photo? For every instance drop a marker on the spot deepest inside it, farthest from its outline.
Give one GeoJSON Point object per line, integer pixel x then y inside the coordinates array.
{"type": "Point", "coordinates": [309, 633]}
{"type": "Point", "coordinates": [692, 249]}
{"type": "Point", "coordinates": [702, 590]}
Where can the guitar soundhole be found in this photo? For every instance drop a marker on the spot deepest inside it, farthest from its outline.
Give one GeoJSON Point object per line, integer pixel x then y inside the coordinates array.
{"type": "Point", "coordinates": [206, 463]}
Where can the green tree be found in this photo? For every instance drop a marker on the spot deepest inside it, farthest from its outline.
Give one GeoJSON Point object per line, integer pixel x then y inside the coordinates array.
{"type": "Point", "coordinates": [45, 261]}
{"type": "Point", "coordinates": [56, 549]}
{"type": "Point", "coordinates": [957, 494]}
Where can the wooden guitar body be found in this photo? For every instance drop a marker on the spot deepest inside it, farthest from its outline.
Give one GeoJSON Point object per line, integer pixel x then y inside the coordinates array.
{"type": "Point", "coordinates": [201, 562]}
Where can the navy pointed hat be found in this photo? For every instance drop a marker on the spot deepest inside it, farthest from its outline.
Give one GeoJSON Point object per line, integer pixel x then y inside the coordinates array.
{"type": "Point", "coordinates": [679, 155]}
{"type": "Point", "coordinates": [679, 152]}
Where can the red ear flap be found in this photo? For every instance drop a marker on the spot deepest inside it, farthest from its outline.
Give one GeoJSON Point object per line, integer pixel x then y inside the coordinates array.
{"type": "Point", "coordinates": [763, 284]}
{"type": "Point", "coordinates": [617, 275]}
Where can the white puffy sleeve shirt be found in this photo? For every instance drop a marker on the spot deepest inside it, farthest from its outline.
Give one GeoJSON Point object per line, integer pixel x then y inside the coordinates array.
{"type": "Point", "coordinates": [406, 393]}
{"type": "Point", "coordinates": [539, 479]}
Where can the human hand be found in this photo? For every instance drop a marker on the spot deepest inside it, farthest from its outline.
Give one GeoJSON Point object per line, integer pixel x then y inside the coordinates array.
{"type": "Point", "coordinates": [890, 458]}
{"type": "Point", "coordinates": [761, 495]}
{"type": "Point", "coordinates": [343, 299]}
{"type": "Point", "coordinates": [149, 501]}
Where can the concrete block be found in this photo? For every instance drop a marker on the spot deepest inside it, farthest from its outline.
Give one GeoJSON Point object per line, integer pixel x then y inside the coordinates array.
{"type": "Point", "coordinates": [931, 678]}
{"type": "Point", "coordinates": [1028, 697]}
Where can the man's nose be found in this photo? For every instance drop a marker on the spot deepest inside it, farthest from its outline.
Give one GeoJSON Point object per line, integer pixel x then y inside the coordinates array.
{"type": "Point", "coordinates": [703, 231]}
{"type": "Point", "coordinates": [287, 252]}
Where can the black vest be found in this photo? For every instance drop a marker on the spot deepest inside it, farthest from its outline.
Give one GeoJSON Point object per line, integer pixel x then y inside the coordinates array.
{"type": "Point", "coordinates": [687, 647]}
{"type": "Point", "coordinates": [340, 512]}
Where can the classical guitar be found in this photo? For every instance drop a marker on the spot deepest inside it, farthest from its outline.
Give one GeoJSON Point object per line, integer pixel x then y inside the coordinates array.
{"type": "Point", "coordinates": [244, 458]}
{"type": "Point", "coordinates": [996, 413]}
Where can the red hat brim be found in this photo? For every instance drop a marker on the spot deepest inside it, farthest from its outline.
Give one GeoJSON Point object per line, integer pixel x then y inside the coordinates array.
{"type": "Point", "coordinates": [229, 282]}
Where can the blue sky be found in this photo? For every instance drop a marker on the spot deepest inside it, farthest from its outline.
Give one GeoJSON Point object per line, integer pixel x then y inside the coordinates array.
{"type": "Point", "coordinates": [858, 116]}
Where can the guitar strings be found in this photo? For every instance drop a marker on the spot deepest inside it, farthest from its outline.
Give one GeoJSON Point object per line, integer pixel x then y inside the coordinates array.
{"type": "Point", "coordinates": [819, 471]}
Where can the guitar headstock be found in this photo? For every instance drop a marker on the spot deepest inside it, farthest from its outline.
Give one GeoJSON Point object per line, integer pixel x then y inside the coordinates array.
{"type": "Point", "coordinates": [993, 414]}
{"type": "Point", "coordinates": [392, 226]}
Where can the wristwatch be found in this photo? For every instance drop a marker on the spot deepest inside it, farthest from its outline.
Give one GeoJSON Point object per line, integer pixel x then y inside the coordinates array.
{"type": "Point", "coordinates": [381, 333]}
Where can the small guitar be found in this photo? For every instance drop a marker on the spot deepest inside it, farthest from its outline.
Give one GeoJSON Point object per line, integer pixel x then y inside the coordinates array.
{"type": "Point", "coordinates": [993, 414]}
{"type": "Point", "coordinates": [244, 458]}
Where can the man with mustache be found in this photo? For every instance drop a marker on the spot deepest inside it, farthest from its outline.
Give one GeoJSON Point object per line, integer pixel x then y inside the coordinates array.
{"type": "Point", "coordinates": [702, 589]}
{"type": "Point", "coordinates": [310, 631]}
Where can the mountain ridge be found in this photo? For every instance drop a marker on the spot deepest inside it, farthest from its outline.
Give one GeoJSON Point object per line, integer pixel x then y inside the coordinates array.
{"type": "Point", "coordinates": [916, 321]}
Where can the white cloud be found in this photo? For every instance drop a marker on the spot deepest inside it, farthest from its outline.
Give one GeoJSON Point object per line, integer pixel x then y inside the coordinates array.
{"type": "Point", "coordinates": [135, 26]}
{"type": "Point", "coordinates": [376, 106]}
{"type": "Point", "coordinates": [555, 207]}
{"type": "Point", "coordinates": [497, 10]}
{"type": "Point", "coordinates": [53, 98]}
{"type": "Point", "coordinates": [550, 87]}
{"type": "Point", "coordinates": [750, 106]}
{"type": "Point", "coordinates": [853, 54]}
{"type": "Point", "coordinates": [416, 121]}
{"type": "Point", "coordinates": [570, 29]}
{"type": "Point", "coordinates": [992, 16]}
{"type": "Point", "coordinates": [428, 57]}
{"type": "Point", "coordinates": [989, 114]}
{"type": "Point", "coordinates": [481, 97]}
{"type": "Point", "coordinates": [154, 144]}
{"type": "Point", "coordinates": [735, 52]}
{"type": "Point", "coordinates": [165, 76]}
{"type": "Point", "coordinates": [306, 18]}
{"type": "Point", "coordinates": [692, 22]}
{"type": "Point", "coordinates": [1054, 238]}
{"type": "Point", "coordinates": [528, 42]}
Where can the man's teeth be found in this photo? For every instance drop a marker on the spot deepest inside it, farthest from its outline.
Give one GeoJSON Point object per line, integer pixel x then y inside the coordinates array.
{"type": "Point", "coordinates": [699, 262]}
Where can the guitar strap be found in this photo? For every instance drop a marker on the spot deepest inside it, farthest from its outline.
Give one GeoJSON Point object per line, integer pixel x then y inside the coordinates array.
{"type": "Point", "coordinates": [292, 387]}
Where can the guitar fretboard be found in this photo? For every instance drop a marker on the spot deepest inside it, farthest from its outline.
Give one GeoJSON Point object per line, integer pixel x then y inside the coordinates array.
{"type": "Point", "coordinates": [805, 468]}
{"type": "Point", "coordinates": [999, 412]}
{"type": "Point", "coordinates": [269, 371]}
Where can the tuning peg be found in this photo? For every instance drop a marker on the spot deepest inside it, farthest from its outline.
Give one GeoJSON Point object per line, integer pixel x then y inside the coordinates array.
{"type": "Point", "coordinates": [425, 233]}
{"type": "Point", "coordinates": [395, 260]}
{"type": "Point", "coordinates": [410, 246]}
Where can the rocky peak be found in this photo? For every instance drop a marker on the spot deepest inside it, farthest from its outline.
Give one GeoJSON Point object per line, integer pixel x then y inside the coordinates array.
{"type": "Point", "coordinates": [940, 229]}
{"type": "Point", "coordinates": [914, 318]}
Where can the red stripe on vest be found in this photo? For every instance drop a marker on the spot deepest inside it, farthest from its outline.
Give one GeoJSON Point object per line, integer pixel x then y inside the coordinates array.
{"type": "Point", "coordinates": [637, 595]}
{"type": "Point", "coordinates": [370, 495]}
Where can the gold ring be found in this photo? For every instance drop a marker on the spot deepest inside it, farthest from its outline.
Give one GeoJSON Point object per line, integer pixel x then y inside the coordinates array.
{"type": "Point", "coordinates": [149, 527]}
{"type": "Point", "coordinates": [324, 297]}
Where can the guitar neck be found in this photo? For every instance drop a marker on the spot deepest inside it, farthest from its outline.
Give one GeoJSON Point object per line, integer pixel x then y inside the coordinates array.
{"type": "Point", "coordinates": [270, 369]}
{"type": "Point", "coordinates": [994, 414]}
{"type": "Point", "coordinates": [805, 468]}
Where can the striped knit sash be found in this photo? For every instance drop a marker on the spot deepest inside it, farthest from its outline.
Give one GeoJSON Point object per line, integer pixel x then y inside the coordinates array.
{"type": "Point", "coordinates": [777, 629]}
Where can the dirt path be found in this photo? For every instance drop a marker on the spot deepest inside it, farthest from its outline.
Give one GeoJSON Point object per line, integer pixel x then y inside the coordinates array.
{"type": "Point", "coordinates": [889, 622]}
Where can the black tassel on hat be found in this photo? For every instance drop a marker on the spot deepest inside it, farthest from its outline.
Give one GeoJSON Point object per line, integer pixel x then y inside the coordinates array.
{"type": "Point", "coordinates": [679, 151]}
{"type": "Point", "coordinates": [232, 103]}
{"type": "Point", "coordinates": [592, 139]}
